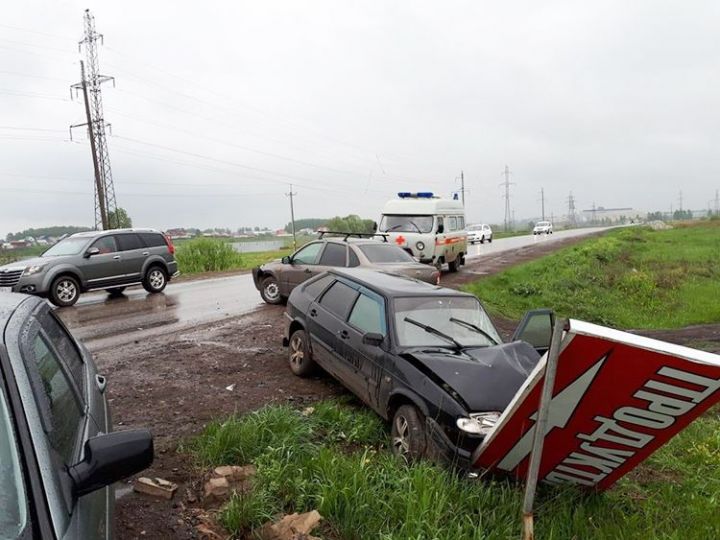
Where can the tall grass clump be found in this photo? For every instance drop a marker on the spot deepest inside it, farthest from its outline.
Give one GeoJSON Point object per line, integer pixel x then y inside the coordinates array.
{"type": "Point", "coordinates": [207, 255]}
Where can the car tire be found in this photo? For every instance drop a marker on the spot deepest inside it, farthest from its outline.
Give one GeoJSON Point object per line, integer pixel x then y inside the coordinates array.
{"type": "Point", "coordinates": [115, 291]}
{"type": "Point", "coordinates": [490, 240]}
{"type": "Point", "coordinates": [407, 434]}
{"type": "Point", "coordinates": [482, 240]}
{"type": "Point", "coordinates": [64, 291]}
{"type": "Point", "coordinates": [155, 279]}
{"type": "Point", "coordinates": [453, 266]}
{"type": "Point", "coordinates": [299, 355]}
{"type": "Point", "coordinates": [270, 290]}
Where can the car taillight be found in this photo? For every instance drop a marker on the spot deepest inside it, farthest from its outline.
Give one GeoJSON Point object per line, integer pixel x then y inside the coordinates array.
{"type": "Point", "coordinates": [168, 241]}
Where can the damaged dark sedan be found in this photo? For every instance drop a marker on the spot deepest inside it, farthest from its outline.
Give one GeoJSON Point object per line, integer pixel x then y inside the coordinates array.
{"type": "Point", "coordinates": [426, 358]}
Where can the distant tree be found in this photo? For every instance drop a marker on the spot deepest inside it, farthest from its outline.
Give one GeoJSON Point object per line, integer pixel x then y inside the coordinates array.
{"type": "Point", "coordinates": [119, 219]}
{"type": "Point", "coordinates": [351, 223]}
{"type": "Point", "coordinates": [307, 223]}
{"type": "Point", "coordinates": [55, 231]}
{"type": "Point", "coordinates": [655, 216]}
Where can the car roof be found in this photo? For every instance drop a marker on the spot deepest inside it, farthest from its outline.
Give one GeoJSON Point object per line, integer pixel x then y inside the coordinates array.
{"type": "Point", "coordinates": [391, 285]}
{"type": "Point", "coordinates": [356, 241]}
{"type": "Point", "coordinates": [92, 234]}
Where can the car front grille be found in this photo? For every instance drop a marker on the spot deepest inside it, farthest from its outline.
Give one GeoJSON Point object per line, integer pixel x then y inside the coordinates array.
{"type": "Point", "coordinates": [10, 278]}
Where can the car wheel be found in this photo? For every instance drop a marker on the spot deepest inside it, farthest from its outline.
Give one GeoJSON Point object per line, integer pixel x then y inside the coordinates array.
{"type": "Point", "coordinates": [482, 240]}
{"type": "Point", "coordinates": [270, 290]}
{"type": "Point", "coordinates": [115, 291]}
{"type": "Point", "coordinates": [64, 291]}
{"type": "Point", "coordinates": [454, 265]}
{"type": "Point", "coordinates": [408, 433]}
{"type": "Point", "coordinates": [299, 355]}
{"type": "Point", "coordinates": [155, 279]}
{"type": "Point", "coordinates": [490, 240]}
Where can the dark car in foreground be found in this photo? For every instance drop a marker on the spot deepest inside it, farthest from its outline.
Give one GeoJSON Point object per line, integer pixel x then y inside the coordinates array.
{"type": "Point", "coordinates": [58, 457]}
{"type": "Point", "coordinates": [86, 261]}
{"type": "Point", "coordinates": [277, 279]}
{"type": "Point", "coordinates": [424, 357]}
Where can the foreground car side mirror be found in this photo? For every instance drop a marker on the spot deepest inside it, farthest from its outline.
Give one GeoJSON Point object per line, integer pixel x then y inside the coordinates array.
{"type": "Point", "coordinates": [441, 229]}
{"type": "Point", "coordinates": [286, 260]}
{"type": "Point", "coordinates": [111, 457]}
{"type": "Point", "coordinates": [373, 338]}
{"type": "Point", "coordinates": [92, 251]}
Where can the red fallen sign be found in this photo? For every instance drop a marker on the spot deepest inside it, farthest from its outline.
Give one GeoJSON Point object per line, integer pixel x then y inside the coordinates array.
{"type": "Point", "coordinates": [617, 398]}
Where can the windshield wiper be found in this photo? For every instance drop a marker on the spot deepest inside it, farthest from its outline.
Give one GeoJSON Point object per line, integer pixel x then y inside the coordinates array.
{"type": "Point", "coordinates": [434, 331]}
{"type": "Point", "coordinates": [474, 327]}
{"type": "Point", "coordinates": [411, 222]}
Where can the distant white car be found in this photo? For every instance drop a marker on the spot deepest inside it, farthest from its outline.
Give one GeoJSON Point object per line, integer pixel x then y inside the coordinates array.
{"type": "Point", "coordinates": [543, 227]}
{"type": "Point", "coordinates": [479, 233]}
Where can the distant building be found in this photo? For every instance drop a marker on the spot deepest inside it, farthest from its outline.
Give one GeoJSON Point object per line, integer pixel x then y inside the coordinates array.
{"type": "Point", "coordinates": [610, 215]}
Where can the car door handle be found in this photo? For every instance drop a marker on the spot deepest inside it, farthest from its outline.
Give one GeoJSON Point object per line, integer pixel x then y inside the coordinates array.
{"type": "Point", "coordinates": [313, 312]}
{"type": "Point", "coordinates": [116, 257]}
{"type": "Point", "coordinates": [344, 334]}
{"type": "Point", "coordinates": [101, 383]}
{"type": "Point", "coordinates": [146, 253]}
{"type": "Point", "coordinates": [308, 271]}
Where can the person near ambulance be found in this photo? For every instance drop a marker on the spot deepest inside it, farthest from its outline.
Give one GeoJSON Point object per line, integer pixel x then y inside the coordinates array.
{"type": "Point", "coordinates": [431, 229]}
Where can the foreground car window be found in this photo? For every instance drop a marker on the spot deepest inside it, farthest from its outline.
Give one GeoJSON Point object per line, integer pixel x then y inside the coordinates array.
{"type": "Point", "coordinates": [13, 509]}
{"type": "Point", "coordinates": [69, 246]}
{"type": "Point", "coordinates": [338, 299]}
{"type": "Point", "coordinates": [385, 253]}
{"type": "Point", "coordinates": [437, 312]}
{"type": "Point", "coordinates": [368, 315]}
{"type": "Point", "coordinates": [314, 288]}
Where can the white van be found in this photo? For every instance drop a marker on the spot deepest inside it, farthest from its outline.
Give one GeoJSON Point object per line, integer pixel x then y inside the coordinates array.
{"type": "Point", "coordinates": [431, 229]}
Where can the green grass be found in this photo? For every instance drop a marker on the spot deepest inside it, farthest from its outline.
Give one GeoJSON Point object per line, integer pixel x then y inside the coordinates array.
{"type": "Point", "coordinates": [335, 460]}
{"type": "Point", "coordinates": [629, 278]}
{"type": "Point", "coordinates": [23, 253]}
{"type": "Point", "coordinates": [214, 255]}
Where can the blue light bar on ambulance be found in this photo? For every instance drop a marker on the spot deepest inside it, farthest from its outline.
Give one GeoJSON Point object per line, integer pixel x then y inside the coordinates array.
{"type": "Point", "coordinates": [418, 195]}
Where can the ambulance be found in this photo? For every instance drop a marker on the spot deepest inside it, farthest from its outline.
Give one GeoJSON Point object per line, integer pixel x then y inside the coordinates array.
{"type": "Point", "coordinates": [429, 228]}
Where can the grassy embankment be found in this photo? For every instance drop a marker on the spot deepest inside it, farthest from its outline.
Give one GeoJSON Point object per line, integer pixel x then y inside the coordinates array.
{"type": "Point", "coordinates": [336, 459]}
{"type": "Point", "coordinates": [629, 278]}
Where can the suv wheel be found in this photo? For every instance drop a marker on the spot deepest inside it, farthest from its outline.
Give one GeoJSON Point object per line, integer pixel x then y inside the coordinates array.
{"type": "Point", "coordinates": [408, 433]}
{"type": "Point", "coordinates": [155, 279]}
{"type": "Point", "coordinates": [270, 290]}
{"type": "Point", "coordinates": [64, 291]}
{"type": "Point", "coordinates": [299, 356]}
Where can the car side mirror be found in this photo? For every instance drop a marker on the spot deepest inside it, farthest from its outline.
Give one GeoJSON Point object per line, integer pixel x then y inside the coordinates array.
{"type": "Point", "coordinates": [375, 226]}
{"type": "Point", "coordinates": [286, 260]}
{"type": "Point", "coordinates": [441, 228]}
{"type": "Point", "coordinates": [373, 338]}
{"type": "Point", "coordinates": [111, 457]}
{"type": "Point", "coordinates": [92, 251]}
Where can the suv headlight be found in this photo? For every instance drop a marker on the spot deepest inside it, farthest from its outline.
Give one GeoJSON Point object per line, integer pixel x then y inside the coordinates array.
{"type": "Point", "coordinates": [30, 270]}
{"type": "Point", "coordinates": [420, 246]}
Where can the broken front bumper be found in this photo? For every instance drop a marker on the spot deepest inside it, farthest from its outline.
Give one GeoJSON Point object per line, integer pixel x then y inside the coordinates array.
{"type": "Point", "coordinates": [443, 449]}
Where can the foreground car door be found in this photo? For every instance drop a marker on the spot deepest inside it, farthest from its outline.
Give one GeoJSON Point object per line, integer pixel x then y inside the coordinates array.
{"type": "Point", "coordinates": [302, 266]}
{"type": "Point", "coordinates": [536, 329]}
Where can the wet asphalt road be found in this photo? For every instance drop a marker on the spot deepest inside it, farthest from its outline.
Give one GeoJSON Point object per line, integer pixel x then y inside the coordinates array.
{"type": "Point", "coordinates": [104, 322]}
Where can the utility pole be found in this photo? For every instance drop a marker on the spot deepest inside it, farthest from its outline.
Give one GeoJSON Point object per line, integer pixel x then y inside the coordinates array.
{"type": "Point", "coordinates": [680, 201]}
{"type": "Point", "coordinates": [717, 202]}
{"type": "Point", "coordinates": [507, 183]}
{"type": "Point", "coordinates": [462, 186]}
{"type": "Point", "coordinates": [594, 214]}
{"type": "Point", "coordinates": [292, 216]}
{"type": "Point", "coordinates": [542, 199]}
{"type": "Point", "coordinates": [571, 210]}
{"type": "Point", "coordinates": [105, 203]}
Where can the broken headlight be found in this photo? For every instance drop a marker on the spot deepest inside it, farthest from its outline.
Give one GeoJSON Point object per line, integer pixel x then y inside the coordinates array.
{"type": "Point", "coordinates": [478, 423]}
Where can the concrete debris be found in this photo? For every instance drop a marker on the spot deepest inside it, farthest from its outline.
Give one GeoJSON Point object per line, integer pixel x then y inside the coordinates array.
{"type": "Point", "coordinates": [217, 489]}
{"type": "Point", "coordinates": [307, 411]}
{"type": "Point", "coordinates": [659, 225]}
{"type": "Point", "coordinates": [157, 487]}
{"type": "Point", "coordinates": [291, 527]}
{"type": "Point", "coordinates": [234, 473]}
{"type": "Point", "coordinates": [230, 388]}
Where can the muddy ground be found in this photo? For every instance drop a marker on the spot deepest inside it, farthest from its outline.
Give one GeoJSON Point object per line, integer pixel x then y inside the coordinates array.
{"type": "Point", "coordinates": [175, 384]}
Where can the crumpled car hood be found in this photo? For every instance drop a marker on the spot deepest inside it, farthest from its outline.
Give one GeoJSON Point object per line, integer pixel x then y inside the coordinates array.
{"type": "Point", "coordinates": [485, 378]}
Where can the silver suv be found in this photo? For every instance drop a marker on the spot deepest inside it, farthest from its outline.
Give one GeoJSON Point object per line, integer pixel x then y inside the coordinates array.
{"type": "Point", "coordinates": [109, 260]}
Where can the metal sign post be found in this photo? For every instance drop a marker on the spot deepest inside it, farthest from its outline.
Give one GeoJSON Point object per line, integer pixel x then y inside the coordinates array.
{"type": "Point", "coordinates": [540, 427]}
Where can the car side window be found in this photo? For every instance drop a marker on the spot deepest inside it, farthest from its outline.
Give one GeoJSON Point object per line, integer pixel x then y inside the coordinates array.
{"type": "Point", "coordinates": [334, 255]}
{"type": "Point", "coordinates": [338, 299]}
{"type": "Point", "coordinates": [106, 244]}
{"type": "Point", "coordinates": [307, 254]}
{"type": "Point", "coordinates": [368, 315]}
{"type": "Point", "coordinates": [65, 347]}
{"type": "Point", "coordinates": [452, 223]}
{"type": "Point", "coordinates": [314, 288]}
{"type": "Point", "coordinates": [127, 242]}
{"type": "Point", "coordinates": [152, 239]}
{"type": "Point", "coordinates": [353, 260]}
{"type": "Point", "coordinates": [461, 222]}
{"type": "Point", "coordinates": [58, 400]}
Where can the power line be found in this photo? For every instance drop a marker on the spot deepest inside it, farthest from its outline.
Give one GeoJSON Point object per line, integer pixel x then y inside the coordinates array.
{"type": "Point", "coordinates": [507, 183]}
{"type": "Point", "coordinates": [571, 210]}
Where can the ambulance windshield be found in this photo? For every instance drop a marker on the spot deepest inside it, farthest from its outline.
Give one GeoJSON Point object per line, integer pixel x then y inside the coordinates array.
{"type": "Point", "coordinates": [405, 223]}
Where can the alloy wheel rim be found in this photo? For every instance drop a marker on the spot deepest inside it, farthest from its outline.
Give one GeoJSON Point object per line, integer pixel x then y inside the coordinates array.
{"type": "Point", "coordinates": [66, 290]}
{"type": "Point", "coordinates": [272, 290]}
{"type": "Point", "coordinates": [400, 440]}
{"type": "Point", "coordinates": [296, 351]}
{"type": "Point", "coordinates": [157, 279]}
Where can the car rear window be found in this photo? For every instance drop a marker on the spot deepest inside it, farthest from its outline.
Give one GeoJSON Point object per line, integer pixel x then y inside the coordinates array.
{"type": "Point", "coordinates": [153, 239]}
{"type": "Point", "coordinates": [127, 242]}
{"type": "Point", "coordinates": [385, 253]}
{"type": "Point", "coordinates": [334, 255]}
{"type": "Point", "coordinates": [338, 299]}
{"type": "Point", "coordinates": [13, 502]}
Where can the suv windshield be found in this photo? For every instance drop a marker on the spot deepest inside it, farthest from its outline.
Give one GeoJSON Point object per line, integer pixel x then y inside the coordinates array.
{"type": "Point", "coordinates": [385, 253]}
{"type": "Point", "coordinates": [403, 223]}
{"type": "Point", "coordinates": [460, 317]}
{"type": "Point", "coordinates": [13, 509]}
{"type": "Point", "coordinates": [69, 246]}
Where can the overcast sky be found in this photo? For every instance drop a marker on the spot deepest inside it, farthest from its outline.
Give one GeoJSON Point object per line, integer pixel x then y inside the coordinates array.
{"type": "Point", "coordinates": [218, 106]}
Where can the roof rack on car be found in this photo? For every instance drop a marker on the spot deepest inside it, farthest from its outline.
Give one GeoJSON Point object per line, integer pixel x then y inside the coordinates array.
{"type": "Point", "coordinates": [346, 235]}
